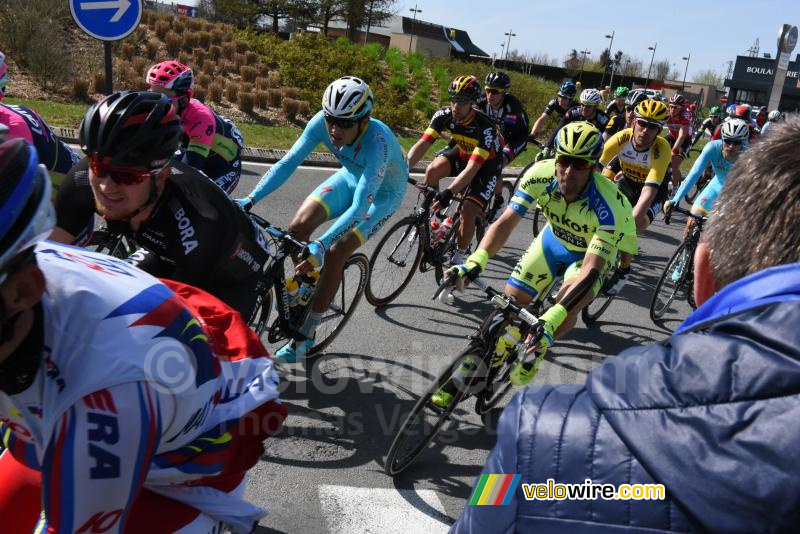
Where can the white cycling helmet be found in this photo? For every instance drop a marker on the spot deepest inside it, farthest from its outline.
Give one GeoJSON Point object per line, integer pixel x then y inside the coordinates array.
{"type": "Point", "coordinates": [774, 115]}
{"type": "Point", "coordinates": [591, 97]}
{"type": "Point", "coordinates": [736, 129]}
{"type": "Point", "coordinates": [347, 98]}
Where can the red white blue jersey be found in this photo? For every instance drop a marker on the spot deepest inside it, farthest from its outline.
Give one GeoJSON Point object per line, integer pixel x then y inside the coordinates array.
{"type": "Point", "coordinates": [136, 390]}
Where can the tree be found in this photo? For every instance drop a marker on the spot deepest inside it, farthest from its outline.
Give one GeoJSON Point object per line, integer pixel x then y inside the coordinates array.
{"type": "Point", "coordinates": [660, 70]}
{"type": "Point", "coordinates": [572, 63]}
{"type": "Point", "coordinates": [273, 9]}
{"type": "Point", "coordinates": [710, 77]}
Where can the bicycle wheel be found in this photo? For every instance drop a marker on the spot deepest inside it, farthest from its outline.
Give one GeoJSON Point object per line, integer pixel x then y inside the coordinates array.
{"type": "Point", "coordinates": [592, 311]}
{"type": "Point", "coordinates": [539, 221]}
{"type": "Point", "coordinates": [394, 261]}
{"type": "Point", "coordinates": [110, 244]}
{"type": "Point", "coordinates": [259, 320]}
{"type": "Point", "coordinates": [667, 288]}
{"type": "Point", "coordinates": [341, 308]}
{"type": "Point", "coordinates": [425, 420]}
{"type": "Point", "coordinates": [443, 251]}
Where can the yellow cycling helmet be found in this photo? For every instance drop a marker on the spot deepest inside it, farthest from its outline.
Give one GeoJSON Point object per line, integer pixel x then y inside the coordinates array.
{"type": "Point", "coordinates": [651, 110]}
{"type": "Point", "coordinates": [465, 89]}
{"type": "Point", "coordinates": [580, 139]}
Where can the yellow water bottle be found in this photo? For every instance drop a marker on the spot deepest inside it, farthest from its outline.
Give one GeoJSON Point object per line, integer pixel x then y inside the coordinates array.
{"type": "Point", "coordinates": [292, 291]}
{"type": "Point", "coordinates": [507, 343]}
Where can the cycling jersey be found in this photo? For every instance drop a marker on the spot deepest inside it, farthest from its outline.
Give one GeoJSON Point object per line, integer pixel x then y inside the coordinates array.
{"type": "Point", "coordinates": [640, 168]}
{"type": "Point", "coordinates": [513, 124]}
{"type": "Point", "coordinates": [711, 155]}
{"type": "Point", "coordinates": [553, 106]}
{"type": "Point", "coordinates": [133, 393]}
{"type": "Point", "coordinates": [616, 124]}
{"type": "Point", "coordinates": [212, 144]}
{"type": "Point", "coordinates": [754, 131]}
{"type": "Point", "coordinates": [477, 139]}
{"type": "Point", "coordinates": [374, 167]}
{"type": "Point", "coordinates": [613, 109]}
{"type": "Point", "coordinates": [600, 221]}
{"type": "Point", "coordinates": [53, 153]}
{"type": "Point", "coordinates": [599, 119]}
{"type": "Point", "coordinates": [196, 234]}
{"type": "Point", "coordinates": [674, 124]}
{"type": "Point", "coordinates": [706, 126]}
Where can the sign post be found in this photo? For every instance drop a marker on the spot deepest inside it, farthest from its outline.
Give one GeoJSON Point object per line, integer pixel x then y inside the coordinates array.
{"type": "Point", "coordinates": [107, 20]}
{"type": "Point", "coordinates": [787, 39]}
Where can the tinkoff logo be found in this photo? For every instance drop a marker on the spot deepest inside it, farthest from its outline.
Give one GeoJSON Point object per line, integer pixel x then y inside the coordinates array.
{"type": "Point", "coordinates": [495, 489]}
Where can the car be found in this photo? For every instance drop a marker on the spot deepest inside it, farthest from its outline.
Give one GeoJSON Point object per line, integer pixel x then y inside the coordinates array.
{"type": "Point", "coordinates": [652, 93]}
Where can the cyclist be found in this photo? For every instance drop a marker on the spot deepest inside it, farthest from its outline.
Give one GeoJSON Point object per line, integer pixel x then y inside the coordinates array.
{"type": "Point", "coordinates": [721, 155]}
{"type": "Point", "coordinates": [25, 123]}
{"type": "Point", "coordinates": [361, 196]}
{"type": "Point", "coordinates": [588, 220]}
{"type": "Point", "coordinates": [475, 161]}
{"type": "Point", "coordinates": [562, 103]}
{"type": "Point", "coordinates": [761, 117]}
{"type": "Point", "coordinates": [679, 124]}
{"type": "Point", "coordinates": [743, 112]}
{"type": "Point", "coordinates": [773, 117]}
{"type": "Point", "coordinates": [617, 106]}
{"type": "Point", "coordinates": [188, 229]}
{"type": "Point", "coordinates": [624, 120]}
{"type": "Point", "coordinates": [638, 159]}
{"type": "Point", "coordinates": [588, 111]}
{"type": "Point", "coordinates": [508, 111]}
{"type": "Point", "coordinates": [605, 94]}
{"type": "Point", "coordinates": [211, 143]}
{"type": "Point", "coordinates": [99, 435]}
{"type": "Point", "coordinates": [709, 125]}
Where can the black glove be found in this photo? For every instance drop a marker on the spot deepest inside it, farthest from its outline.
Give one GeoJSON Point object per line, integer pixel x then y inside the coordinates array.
{"type": "Point", "coordinates": [444, 197]}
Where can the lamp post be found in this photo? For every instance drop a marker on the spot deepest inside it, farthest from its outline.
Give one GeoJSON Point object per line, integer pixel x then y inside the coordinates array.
{"type": "Point", "coordinates": [611, 44]}
{"type": "Point", "coordinates": [510, 34]}
{"type": "Point", "coordinates": [585, 53]}
{"type": "Point", "coordinates": [686, 59]}
{"type": "Point", "coordinates": [502, 49]}
{"type": "Point", "coordinates": [653, 48]}
{"type": "Point", "coordinates": [415, 11]}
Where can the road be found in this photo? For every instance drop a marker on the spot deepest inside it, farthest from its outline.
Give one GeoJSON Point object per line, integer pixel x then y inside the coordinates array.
{"type": "Point", "coordinates": [324, 472]}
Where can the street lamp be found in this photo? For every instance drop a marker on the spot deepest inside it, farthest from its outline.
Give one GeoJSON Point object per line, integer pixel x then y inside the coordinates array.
{"type": "Point", "coordinates": [585, 53]}
{"type": "Point", "coordinates": [653, 48]}
{"type": "Point", "coordinates": [686, 59]}
{"type": "Point", "coordinates": [510, 34]}
{"type": "Point", "coordinates": [415, 11]}
{"type": "Point", "coordinates": [611, 44]}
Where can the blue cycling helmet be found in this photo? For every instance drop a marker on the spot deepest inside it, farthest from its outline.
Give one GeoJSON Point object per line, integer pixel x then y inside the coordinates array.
{"type": "Point", "coordinates": [568, 89]}
{"type": "Point", "coordinates": [26, 212]}
{"type": "Point", "coordinates": [731, 110]}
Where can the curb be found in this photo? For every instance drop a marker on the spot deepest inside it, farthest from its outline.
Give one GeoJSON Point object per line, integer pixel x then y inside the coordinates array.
{"type": "Point", "coordinates": [271, 155]}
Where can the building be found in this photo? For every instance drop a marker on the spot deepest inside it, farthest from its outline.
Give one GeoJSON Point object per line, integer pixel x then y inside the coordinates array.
{"type": "Point", "coordinates": [751, 82]}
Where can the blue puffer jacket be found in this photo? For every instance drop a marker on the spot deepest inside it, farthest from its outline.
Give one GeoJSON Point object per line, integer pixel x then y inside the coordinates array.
{"type": "Point", "coordinates": [713, 413]}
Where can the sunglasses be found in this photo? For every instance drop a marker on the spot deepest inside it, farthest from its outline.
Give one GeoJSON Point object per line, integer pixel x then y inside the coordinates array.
{"type": "Point", "coordinates": [345, 124]}
{"type": "Point", "coordinates": [649, 125]}
{"type": "Point", "coordinates": [122, 176]}
{"type": "Point", "coordinates": [493, 91]}
{"type": "Point", "coordinates": [575, 163]}
{"type": "Point", "coordinates": [733, 142]}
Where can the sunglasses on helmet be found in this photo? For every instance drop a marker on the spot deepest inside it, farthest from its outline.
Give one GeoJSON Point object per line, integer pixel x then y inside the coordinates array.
{"type": "Point", "coordinates": [122, 176]}
{"type": "Point", "coordinates": [345, 124]}
{"type": "Point", "coordinates": [575, 163]}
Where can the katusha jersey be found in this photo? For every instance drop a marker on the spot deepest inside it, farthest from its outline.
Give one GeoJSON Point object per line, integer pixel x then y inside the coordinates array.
{"type": "Point", "coordinates": [135, 389]}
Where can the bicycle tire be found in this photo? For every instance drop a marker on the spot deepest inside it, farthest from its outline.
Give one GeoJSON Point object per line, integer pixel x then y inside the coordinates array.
{"type": "Point", "coordinates": [344, 312]}
{"type": "Point", "coordinates": [592, 311]}
{"type": "Point", "coordinates": [395, 463]}
{"type": "Point", "coordinates": [399, 245]}
{"type": "Point", "coordinates": [539, 221]}
{"type": "Point", "coordinates": [657, 312]}
{"type": "Point", "coordinates": [105, 242]}
{"type": "Point", "coordinates": [443, 251]}
{"type": "Point", "coordinates": [259, 319]}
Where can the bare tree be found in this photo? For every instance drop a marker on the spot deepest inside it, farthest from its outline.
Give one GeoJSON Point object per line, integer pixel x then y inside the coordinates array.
{"type": "Point", "coordinates": [710, 77]}
{"type": "Point", "coordinates": [660, 70]}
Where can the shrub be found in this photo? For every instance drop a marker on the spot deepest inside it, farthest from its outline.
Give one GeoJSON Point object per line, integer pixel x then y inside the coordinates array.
{"type": "Point", "coordinates": [248, 74]}
{"type": "Point", "coordinates": [225, 67]}
{"type": "Point", "coordinates": [215, 52]}
{"type": "Point", "coordinates": [273, 79]}
{"type": "Point", "coordinates": [200, 93]}
{"type": "Point", "coordinates": [262, 99]}
{"type": "Point", "coordinates": [416, 62]}
{"type": "Point", "coordinates": [196, 25]}
{"type": "Point", "coordinates": [204, 39]}
{"type": "Point", "coordinates": [151, 49]}
{"type": "Point", "coordinates": [232, 91]}
{"type": "Point", "coordinates": [241, 46]}
{"type": "Point", "coordinates": [303, 108]}
{"type": "Point", "coordinates": [274, 98]}
{"type": "Point", "coordinates": [398, 82]}
{"type": "Point", "coordinates": [128, 51]}
{"type": "Point", "coordinates": [183, 57]}
{"type": "Point", "coordinates": [373, 51]}
{"type": "Point", "coordinates": [217, 36]}
{"type": "Point", "coordinates": [203, 79]}
{"type": "Point", "coordinates": [263, 69]}
{"type": "Point", "coordinates": [245, 87]}
{"type": "Point", "coordinates": [79, 89]}
{"type": "Point", "coordinates": [147, 17]}
{"type": "Point", "coordinates": [199, 54]}
{"type": "Point", "coordinates": [99, 82]}
{"type": "Point", "coordinates": [173, 44]}
{"type": "Point", "coordinates": [215, 91]}
{"type": "Point", "coordinates": [162, 28]}
{"type": "Point", "coordinates": [190, 40]}
{"type": "Point", "coordinates": [239, 60]}
{"type": "Point", "coordinates": [247, 102]}
{"type": "Point", "coordinates": [290, 107]}
{"type": "Point", "coordinates": [140, 65]}
{"type": "Point", "coordinates": [289, 92]}
{"type": "Point", "coordinates": [262, 84]}
{"type": "Point", "coordinates": [228, 50]}
{"type": "Point", "coordinates": [178, 27]}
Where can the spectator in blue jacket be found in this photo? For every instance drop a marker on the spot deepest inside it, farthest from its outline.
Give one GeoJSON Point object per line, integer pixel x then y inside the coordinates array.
{"type": "Point", "coordinates": [712, 413]}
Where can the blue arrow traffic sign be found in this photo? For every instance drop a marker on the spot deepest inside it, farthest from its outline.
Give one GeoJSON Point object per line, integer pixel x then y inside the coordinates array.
{"type": "Point", "coordinates": [108, 20]}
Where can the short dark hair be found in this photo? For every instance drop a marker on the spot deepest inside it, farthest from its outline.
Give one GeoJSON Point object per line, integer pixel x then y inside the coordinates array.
{"type": "Point", "coordinates": [755, 222]}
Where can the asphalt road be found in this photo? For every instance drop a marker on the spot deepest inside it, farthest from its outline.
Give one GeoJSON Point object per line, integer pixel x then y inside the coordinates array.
{"type": "Point", "coordinates": [324, 472]}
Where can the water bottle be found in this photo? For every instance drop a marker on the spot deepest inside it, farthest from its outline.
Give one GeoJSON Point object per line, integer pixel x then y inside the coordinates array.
{"type": "Point", "coordinates": [507, 343]}
{"type": "Point", "coordinates": [445, 227]}
{"type": "Point", "coordinates": [292, 291]}
{"type": "Point", "coordinates": [307, 289]}
{"type": "Point", "coordinates": [436, 229]}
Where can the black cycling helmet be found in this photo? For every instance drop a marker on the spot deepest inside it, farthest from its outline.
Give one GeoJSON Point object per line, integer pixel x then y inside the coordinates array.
{"type": "Point", "coordinates": [635, 97]}
{"type": "Point", "coordinates": [498, 80]}
{"type": "Point", "coordinates": [465, 88]}
{"type": "Point", "coordinates": [131, 130]}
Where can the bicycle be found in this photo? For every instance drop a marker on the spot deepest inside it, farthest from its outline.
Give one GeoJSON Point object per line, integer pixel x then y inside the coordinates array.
{"type": "Point", "coordinates": [281, 244]}
{"type": "Point", "coordinates": [539, 220]}
{"type": "Point", "coordinates": [410, 248]}
{"type": "Point", "coordinates": [678, 275]}
{"type": "Point", "coordinates": [116, 245]}
{"type": "Point", "coordinates": [592, 311]}
{"type": "Point", "coordinates": [705, 178]}
{"type": "Point", "coordinates": [488, 383]}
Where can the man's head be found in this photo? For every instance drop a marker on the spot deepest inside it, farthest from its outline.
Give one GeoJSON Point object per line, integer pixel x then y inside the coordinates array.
{"type": "Point", "coordinates": [3, 76]}
{"type": "Point", "coordinates": [715, 114]}
{"type": "Point", "coordinates": [129, 139]}
{"type": "Point", "coordinates": [347, 104]}
{"type": "Point", "coordinates": [566, 93]}
{"type": "Point", "coordinates": [620, 94]}
{"type": "Point", "coordinates": [633, 99]}
{"type": "Point", "coordinates": [648, 119]}
{"type": "Point", "coordinates": [173, 79]}
{"type": "Point", "coordinates": [758, 207]}
{"type": "Point", "coordinates": [677, 103]}
{"type": "Point", "coordinates": [578, 147]}
{"type": "Point", "coordinates": [590, 99]}
{"type": "Point", "coordinates": [735, 134]}
{"type": "Point", "coordinates": [496, 85]}
{"type": "Point", "coordinates": [26, 217]}
{"type": "Point", "coordinates": [464, 93]}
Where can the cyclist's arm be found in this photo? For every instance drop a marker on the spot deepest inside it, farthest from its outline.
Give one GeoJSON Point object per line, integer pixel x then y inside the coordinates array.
{"type": "Point", "coordinates": [465, 177]}
{"type": "Point", "coordinates": [563, 122]}
{"type": "Point", "coordinates": [646, 197]}
{"type": "Point", "coordinates": [611, 148]}
{"type": "Point", "coordinates": [280, 172]}
{"type": "Point", "coordinates": [539, 123]}
{"type": "Point", "coordinates": [98, 457]}
{"type": "Point", "coordinates": [417, 152]}
{"type": "Point", "coordinates": [700, 164]}
{"type": "Point", "coordinates": [517, 138]}
{"type": "Point", "coordinates": [74, 205]}
{"type": "Point", "coordinates": [683, 133]}
{"type": "Point", "coordinates": [200, 126]}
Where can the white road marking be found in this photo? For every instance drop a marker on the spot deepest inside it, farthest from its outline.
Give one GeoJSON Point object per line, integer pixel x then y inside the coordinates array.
{"type": "Point", "coordinates": [381, 511]}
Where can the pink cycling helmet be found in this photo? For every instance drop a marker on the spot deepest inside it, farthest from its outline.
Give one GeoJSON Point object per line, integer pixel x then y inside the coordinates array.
{"type": "Point", "coordinates": [172, 75]}
{"type": "Point", "coordinates": [3, 76]}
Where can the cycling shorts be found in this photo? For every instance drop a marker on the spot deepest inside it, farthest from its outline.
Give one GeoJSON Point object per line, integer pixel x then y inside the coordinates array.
{"type": "Point", "coordinates": [541, 263]}
{"type": "Point", "coordinates": [632, 190]}
{"type": "Point", "coordinates": [336, 195]}
{"type": "Point", "coordinates": [707, 197]}
{"type": "Point", "coordinates": [685, 147]}
{"type": "Point", "coordinates": [481, 189]}
{"type": "Point", "coordinates": [224, 174]}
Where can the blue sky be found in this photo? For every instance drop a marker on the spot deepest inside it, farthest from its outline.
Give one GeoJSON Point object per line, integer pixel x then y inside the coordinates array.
{"type": "Point", "coordinates": [713, 32]}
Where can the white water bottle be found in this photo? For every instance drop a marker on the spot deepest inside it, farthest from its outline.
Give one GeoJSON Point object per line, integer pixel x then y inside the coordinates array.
{"type": "Point", "coordinates": [436, 229]}
{"type": "Point", "coordinates": [445, 227]}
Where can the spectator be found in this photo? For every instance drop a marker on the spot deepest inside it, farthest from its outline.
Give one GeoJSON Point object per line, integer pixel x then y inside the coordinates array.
{"type": "Point", "coordinates": [711, 413]}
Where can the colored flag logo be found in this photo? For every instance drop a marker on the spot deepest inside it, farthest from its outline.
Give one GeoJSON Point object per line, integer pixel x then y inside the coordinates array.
{"type": "Point", "coordinates": [495, 489]}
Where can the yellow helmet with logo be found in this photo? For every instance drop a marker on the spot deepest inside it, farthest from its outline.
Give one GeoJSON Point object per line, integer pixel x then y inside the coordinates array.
{"type": "Point", "coordinates": [465, 89]}
{"type": "Point", "coordinates": [651, 110]}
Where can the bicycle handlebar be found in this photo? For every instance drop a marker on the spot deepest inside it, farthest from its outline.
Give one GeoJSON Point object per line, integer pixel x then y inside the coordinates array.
{"type": "Point", "coordinates": [278, 233]}
{"type": "Point", "coordinates": [668, 214]}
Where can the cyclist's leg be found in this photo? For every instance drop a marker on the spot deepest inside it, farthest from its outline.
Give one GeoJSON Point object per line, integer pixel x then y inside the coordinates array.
{"type": "Point", "coordinates": [570, 278]}
{"type": "Point", "coordinates": [479, 193]}
{"type": "Point", "coordinates": [20, 495]}
{"type": "Point", "coordinates": [447, 163]}
{"type": "Point", "coordinates": [702, 206]}
{"type": "Point", "coordinates": [329, 200]}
